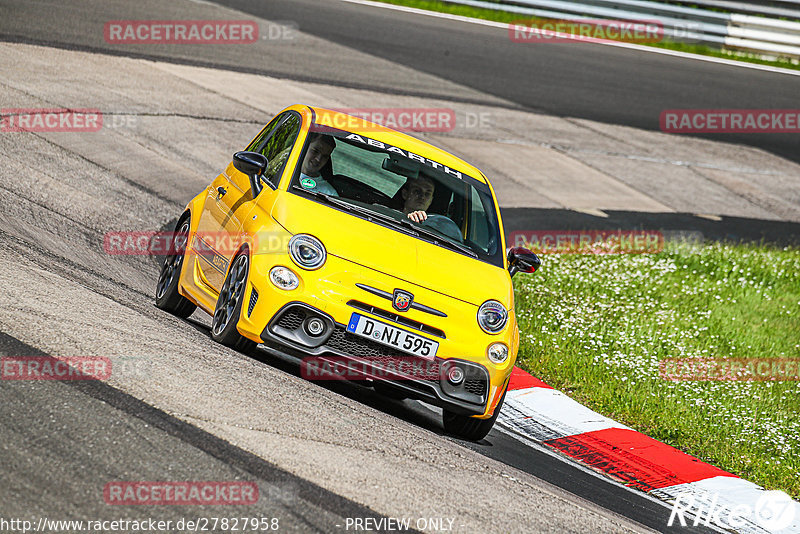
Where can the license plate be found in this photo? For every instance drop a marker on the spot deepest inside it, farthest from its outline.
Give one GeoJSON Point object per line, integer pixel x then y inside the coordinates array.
{"type": "Point", "coordinates": [392, 337]}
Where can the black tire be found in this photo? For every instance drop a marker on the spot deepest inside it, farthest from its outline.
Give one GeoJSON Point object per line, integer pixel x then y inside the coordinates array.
{"type": "Point", "coordinates": [229, 306]}
{"type": "Point", "coordinates": [470, 428]}
{"type": "Point", "coordinates": [167, 296]}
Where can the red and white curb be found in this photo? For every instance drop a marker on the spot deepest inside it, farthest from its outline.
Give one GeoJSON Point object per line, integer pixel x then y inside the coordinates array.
{"type": "Point", "coordinates": [699, 493]}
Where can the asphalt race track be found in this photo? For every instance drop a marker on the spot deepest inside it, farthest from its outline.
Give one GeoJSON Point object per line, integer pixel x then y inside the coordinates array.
{"type": "Point", "coordinates": [605, 84]}
{"type": "Point", "coordinates": [97, 432]}
{"type": "Point", "coordinates": [180, 407]}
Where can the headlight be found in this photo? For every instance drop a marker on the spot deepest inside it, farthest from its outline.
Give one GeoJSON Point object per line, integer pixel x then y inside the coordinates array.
{"type": "Point", "coordinates": [492, 316]}
{"type": "Point", "coordinates": [497, 352]}
{"type": "Point", "coordinates": [283, 278]}
{"type": "Point", "coordinates": [307, 251]}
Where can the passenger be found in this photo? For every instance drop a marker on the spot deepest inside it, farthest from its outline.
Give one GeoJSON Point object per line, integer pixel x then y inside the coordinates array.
{"type": "Point", "coordinates": [317, 156]}
{"type": "Point", "coordinates": [417, 194]}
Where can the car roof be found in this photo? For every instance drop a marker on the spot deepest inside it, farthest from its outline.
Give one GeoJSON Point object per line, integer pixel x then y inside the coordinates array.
{"type": "Point", "coordinates": [360, 126]}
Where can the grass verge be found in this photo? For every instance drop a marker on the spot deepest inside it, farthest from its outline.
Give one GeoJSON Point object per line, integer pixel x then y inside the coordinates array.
{"type": "Point", "coordinates": [596, 327]}
{"type": "Point", "coordinates": [505, 16]}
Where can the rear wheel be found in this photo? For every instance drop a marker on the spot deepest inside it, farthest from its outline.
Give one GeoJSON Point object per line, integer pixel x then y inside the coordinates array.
{"type": "Point", "coordinates": [470, 428]}
{"type": "Point", "coordinates": [167, 296]}
{"type": "Point", "coordinates": [229, 307]}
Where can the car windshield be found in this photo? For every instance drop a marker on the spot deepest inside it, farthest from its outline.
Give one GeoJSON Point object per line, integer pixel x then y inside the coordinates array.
{"type": "Point", "coordinates": [383, 184]}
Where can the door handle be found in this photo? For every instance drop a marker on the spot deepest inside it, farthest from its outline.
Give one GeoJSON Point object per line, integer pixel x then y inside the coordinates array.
{"type": "Point", "coordinates": [221, 192]}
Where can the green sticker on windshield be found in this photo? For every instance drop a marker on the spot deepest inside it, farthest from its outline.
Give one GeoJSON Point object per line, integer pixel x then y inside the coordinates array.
{"type": "Point", "coordinates": [308, 183]}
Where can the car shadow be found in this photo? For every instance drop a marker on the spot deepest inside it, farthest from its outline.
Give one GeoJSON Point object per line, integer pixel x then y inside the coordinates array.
{"type": "Point", "coordinates": [408, 410]}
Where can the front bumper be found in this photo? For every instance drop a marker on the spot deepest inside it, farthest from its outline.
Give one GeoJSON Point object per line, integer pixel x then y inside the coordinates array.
{"type": "Point", "coordinates": [333, 292]}
{"type": "Point", "coordinates": [358, 358]}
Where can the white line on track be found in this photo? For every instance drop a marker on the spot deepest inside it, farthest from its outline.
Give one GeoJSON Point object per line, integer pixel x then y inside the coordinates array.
{"type": "Point", "coordinates": [630, 46]}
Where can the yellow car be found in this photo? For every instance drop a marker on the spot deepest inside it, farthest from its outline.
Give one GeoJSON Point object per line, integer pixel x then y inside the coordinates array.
{"type": "Point", "coordinates": [364, 252]}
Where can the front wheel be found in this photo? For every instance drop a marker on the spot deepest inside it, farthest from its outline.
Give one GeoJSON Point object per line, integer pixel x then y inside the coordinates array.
{"type": "Point", "coordinates": [167, 296]}
{"type": "Point", "coordinates": [470, 428]}
{"type": "Point", "coordinates": [229, 307]}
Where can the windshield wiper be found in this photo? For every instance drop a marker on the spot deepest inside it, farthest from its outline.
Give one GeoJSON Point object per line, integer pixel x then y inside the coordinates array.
{"type": "Point", "coordinates": [417, 229]}
{"type": "Point", "coordinates": [436, 238]}
{"type": "Point", "coordinates": [407, 225]}
{"type": "Point", "coordinates": [441, 240]}
{"type": "Point", "coordinates": [369, 214]}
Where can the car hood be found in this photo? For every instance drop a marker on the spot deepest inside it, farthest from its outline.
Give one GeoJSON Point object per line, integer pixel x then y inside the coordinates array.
{"type": "Point", "coordinates": [391, 252]}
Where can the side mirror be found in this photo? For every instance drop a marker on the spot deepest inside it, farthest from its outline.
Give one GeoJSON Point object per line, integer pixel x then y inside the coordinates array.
{"type": "Point", "coordinates": [522, 260]}
{"type": "Point", "coordinates": [253, 165]}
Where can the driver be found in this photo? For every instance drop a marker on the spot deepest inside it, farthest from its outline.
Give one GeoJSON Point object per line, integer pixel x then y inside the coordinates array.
{"type": "Point", "coordinates": [318, 154]}
{"type": "Point", "coordinates": [417, 194]}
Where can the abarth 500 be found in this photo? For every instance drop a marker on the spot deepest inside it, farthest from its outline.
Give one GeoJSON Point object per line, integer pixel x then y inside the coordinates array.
{"type": "Point", "coordinates": [359, 248]}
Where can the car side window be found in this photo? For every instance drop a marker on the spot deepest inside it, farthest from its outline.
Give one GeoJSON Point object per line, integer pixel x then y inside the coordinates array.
{"type": "Point", "coordinates": [276, 145]}
{"type": "Point", "coordinates": [259, 141]}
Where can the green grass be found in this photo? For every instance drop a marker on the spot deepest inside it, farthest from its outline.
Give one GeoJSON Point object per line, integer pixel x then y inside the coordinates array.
{"type": "Point", "coordinates": [504, 16]}
{"type": "Point", "coordinates": [596, 327]}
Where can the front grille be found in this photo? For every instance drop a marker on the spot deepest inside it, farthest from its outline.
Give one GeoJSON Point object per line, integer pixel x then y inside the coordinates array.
{"type": "Point", "coordinates": [476, 386]}
{"type": "Point", "coordinates": [360, 347]}
{"type": "Point", "coordinates": [377, 353]}
{"type": "Point", "coordinates": [253, 300]}
{"type": "Point", "coordinates": [292, 319]}
{"type": "Point", "coordinates": [405, 321]}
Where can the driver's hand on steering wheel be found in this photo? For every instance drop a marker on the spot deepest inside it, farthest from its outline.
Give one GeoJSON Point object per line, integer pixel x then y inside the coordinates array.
{"type": "Point", "coordinates": [418, 216]}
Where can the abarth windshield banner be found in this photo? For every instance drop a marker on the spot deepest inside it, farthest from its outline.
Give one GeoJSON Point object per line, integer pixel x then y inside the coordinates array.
{"type": "Point", "coordinates": [380, 145]}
